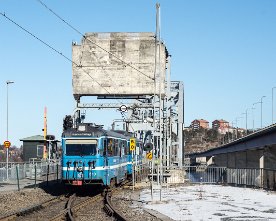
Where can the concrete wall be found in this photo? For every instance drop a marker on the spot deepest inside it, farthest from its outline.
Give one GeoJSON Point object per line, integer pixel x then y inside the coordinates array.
{"type": "Point", "coordinates": [231, 161]}
{"type": "Point", "coordinates": [245, 159]}
{"type": "Point", "coordinates": [270, 157]}
{"type": "Point", "coordinates": [97, 72]}
{"type": "Point", "coordinates": [221, 160]}
{"type": "Point", "coordinates": [253, 158]}
{"type": "Point", "coordinates": [241, 159]}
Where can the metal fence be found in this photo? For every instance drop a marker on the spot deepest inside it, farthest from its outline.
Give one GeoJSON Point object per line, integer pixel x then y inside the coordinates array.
{"type": "Point", "coordinates": [141, 172]}
{"type": "Point", "coordinates": [205, 174]}
{"type": "Point", "coordinates": [257, 178]}
{"type": "Point", "coordinates": [269, 179]}
{"type": "Point", "coordinates": [246, 177]}
{"type": "Point", "coordinates": [18, 171]}
{"type": "Point", "coordinates": [192, 174]}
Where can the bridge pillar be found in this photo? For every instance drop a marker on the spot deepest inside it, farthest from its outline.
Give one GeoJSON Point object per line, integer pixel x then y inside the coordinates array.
{"type": "Point", "coordinates": [268, 166]}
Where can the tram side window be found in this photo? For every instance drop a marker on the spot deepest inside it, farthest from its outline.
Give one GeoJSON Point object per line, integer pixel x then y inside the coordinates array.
{"type": "Point", "coordinates": [125, 147]}
{"type": "Point", "coordinates": [117, 149]}
{"type": "Point", "coordinates": [120, 144]}
{"type": "Point", "coordinates": [110, 147]}
{"type": "Point", "coordinates": [103, 151]}
{"type": "Point", "coordinates": [122, 147]}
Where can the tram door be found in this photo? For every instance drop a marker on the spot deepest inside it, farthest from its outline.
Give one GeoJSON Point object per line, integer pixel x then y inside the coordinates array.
{"type": "Point", "coordinates": [121, 160]}
{"type": "Point", "coordinates": [105, 160]}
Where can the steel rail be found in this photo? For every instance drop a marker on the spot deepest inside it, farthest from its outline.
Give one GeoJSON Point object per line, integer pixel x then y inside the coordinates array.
{"type": "Point", "coordinates": [71, 209]}
{"type": "Point", "coordinates": [110, 209]}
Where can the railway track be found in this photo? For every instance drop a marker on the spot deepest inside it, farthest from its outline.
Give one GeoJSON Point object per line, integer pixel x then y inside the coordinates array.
{"type": "Point", "coordinates": [71, 207]}
{"type": "Point", "coordinates": [31, 209]}
{"type": "Point", "coordinates": [110, 209]}
{"type": "Point", "coordinates": [72, 210]}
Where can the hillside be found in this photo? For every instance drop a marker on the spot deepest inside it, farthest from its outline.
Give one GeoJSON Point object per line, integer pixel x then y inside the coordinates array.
{"type": "Point", "coordinates": [205, 139]}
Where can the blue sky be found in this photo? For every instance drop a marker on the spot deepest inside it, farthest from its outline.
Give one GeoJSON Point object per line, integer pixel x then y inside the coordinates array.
{"type": "Point", "coordinates": [223, 51]}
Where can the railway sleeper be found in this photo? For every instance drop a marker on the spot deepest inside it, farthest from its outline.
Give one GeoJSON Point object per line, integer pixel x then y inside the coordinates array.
{"type": "Point", "coordinates": [108, 210]}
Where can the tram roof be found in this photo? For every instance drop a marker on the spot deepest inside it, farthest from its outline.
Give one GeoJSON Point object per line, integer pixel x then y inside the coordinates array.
{"type": "Point", "coordinates": [88, 130]}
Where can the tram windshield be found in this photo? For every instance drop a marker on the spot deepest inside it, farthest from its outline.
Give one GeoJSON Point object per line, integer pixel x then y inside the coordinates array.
{"type": "Point", "coordinates": [81, 147]}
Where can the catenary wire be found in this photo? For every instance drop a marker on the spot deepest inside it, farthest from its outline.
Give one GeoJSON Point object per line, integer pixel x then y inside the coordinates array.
{"type": "Point", "coordinates": [52, 48]}
{"type": "Point", "coordinates": [76, 30]}
{"type": "Point", "coordinates": [55, 50]}
{"type": "Point", "coordinates": [72, 27]}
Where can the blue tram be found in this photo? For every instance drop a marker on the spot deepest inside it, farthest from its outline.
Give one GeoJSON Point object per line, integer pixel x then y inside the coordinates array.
{"type": "Point", "coordinates": [92, 155]}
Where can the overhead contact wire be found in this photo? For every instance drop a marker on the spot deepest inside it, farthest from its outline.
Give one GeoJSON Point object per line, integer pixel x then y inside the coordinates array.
{"type": "Point", "coordinates": [52, 48]}
{"type": "Point", "coordinates": [125, 63]}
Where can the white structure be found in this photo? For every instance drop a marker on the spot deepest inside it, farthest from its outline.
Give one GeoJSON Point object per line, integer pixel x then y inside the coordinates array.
{"type": "Point", "coordinates": [117, 63]}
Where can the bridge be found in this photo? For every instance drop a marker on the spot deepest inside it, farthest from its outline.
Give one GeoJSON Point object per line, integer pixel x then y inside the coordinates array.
{"type": "Point", "coordinates": [256, 150]}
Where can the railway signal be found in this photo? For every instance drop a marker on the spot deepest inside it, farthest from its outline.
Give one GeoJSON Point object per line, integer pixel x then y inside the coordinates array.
{"type": "Point", "coordinates": [148, 147]}
{"type": "Point", "coordinates": [132, 144]}
{"type": "Point", "coordinates": [149, 155]}
{"type": "Point", "coordinates": [7, 144]}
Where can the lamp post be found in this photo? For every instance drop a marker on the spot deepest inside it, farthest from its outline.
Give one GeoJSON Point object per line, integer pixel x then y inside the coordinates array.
{"type": "Point", "coordinates": [7, 149]}
{"type": "Point", "coordinates": [232, 138]}
{"type": "Point", "coordinates": [246, 119]}
{"type": "Point", "coordinates": [272, 105]}
{"type": "Point", "coordinates": [252, 108]}
{"type": "Point", "coordinates": [237, 126]}
{"type": "Point", "coordinates": [262, 111]}
{"type": "Point", "coordinates": [256, 103]}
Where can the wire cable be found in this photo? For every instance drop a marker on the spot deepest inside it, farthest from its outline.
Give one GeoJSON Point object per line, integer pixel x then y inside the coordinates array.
{"type": "Point", "coordinates": [72, 27]}
{"type": "Point", "coordinates": [58, 52]}
{"type": "Point", "coordinates": [52, 48]}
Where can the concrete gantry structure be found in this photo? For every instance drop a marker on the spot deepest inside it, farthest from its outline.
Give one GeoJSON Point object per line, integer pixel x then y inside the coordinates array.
{"type": "Point", "coordinates": [257, 150]}
{"type": "Point", "coordinates": [118, 64]}
{"type": "Point", "coordinates": [134, 69]}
